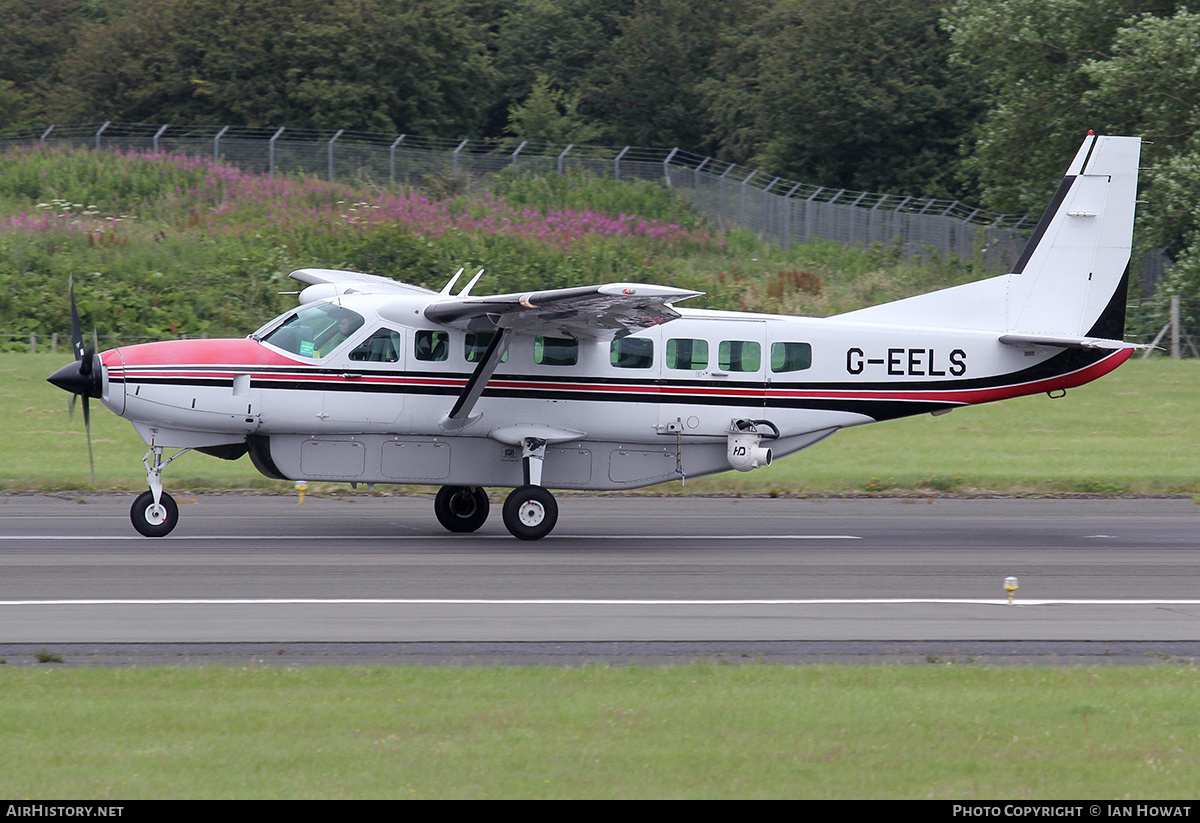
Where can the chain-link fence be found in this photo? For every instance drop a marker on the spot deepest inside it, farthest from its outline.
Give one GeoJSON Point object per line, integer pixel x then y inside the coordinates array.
{"type": "Point", "coordinates": [782, 211]}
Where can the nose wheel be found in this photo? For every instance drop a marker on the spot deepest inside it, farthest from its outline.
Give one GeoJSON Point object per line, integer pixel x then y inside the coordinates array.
{"type": "Point", "coordinates": [530, 512]}
{"type": "Point", "coordinates": [154, 519]}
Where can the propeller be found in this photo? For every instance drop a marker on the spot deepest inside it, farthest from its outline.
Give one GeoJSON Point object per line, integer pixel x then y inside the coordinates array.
{"type": "Point", "coordinates": [83, 378]}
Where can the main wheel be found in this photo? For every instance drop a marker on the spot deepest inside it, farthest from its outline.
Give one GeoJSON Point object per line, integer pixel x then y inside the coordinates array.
{"type": "Point", "coordinates": [530, 512]}
{"type": "Point", "coordinates": [152, 520]}
{"type": "Point", "coordinates": [461, 508]}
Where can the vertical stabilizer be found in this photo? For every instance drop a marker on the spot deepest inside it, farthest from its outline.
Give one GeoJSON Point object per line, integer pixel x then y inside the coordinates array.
{"type": "Point", "coordinates": [1075, 263]}
{"type": "Point", "coordinates": [1070, 279]}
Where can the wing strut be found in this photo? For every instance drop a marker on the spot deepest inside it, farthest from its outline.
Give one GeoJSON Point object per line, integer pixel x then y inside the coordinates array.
{"type": "Point", "coordinates": [460, 415]}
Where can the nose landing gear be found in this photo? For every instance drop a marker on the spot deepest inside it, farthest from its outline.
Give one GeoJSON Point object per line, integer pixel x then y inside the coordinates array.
{"type": "Point", "coordinates": [154, 513]}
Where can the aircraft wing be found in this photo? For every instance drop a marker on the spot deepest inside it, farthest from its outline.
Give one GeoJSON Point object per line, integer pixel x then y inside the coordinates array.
{"type": "Point", "coordinates": [609, 310]}
{"type": "Point", "coordinates": [353, 282]}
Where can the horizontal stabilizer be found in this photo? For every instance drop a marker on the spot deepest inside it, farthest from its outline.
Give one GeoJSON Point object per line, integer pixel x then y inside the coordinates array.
{"type": "Point", "coordinates": [1063, 342]}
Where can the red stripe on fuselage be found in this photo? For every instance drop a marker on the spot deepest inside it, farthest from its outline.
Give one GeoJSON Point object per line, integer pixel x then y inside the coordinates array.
{"type": "Point", "coordinates": [218, 352]}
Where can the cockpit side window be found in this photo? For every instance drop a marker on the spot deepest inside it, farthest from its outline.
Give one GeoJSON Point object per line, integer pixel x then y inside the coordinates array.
{"type": "Point", "coordinates": [315, 330]}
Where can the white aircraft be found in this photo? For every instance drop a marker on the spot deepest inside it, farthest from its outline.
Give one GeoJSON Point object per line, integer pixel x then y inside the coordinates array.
{"type": "Point", "coordinates": [610, 386]}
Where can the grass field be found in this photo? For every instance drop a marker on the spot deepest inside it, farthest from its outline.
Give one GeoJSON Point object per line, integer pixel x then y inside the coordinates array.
{"type": "Point", "coordinates": [692, 731]}
{"type": "Point", "coordinates": [1133, 432]}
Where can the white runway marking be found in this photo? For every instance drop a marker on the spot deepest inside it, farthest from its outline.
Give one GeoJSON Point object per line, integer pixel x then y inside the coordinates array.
{"type": "Point", "coordinates": [312, 601]}
{"type": "Point", "coordinates": [505, 536]}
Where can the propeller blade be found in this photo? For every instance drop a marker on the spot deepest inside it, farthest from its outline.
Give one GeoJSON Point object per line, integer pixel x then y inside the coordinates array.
{"type": "Point", "coordinates": [81, 378]}
{"type": "Point", "coordinates": [76, 327]}
{"type": "Point", "coordinates": [87, 427]}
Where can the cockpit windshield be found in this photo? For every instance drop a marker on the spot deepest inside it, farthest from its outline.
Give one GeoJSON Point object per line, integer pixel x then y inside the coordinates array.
{"type": "Point", "coordinates": [315, 330]}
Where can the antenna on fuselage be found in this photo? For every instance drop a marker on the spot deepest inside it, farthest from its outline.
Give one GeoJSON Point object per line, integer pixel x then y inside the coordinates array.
{"type": "Point", "coordinates": [467, 289]}
{"type": "Point", "coordinates": [453, 280]}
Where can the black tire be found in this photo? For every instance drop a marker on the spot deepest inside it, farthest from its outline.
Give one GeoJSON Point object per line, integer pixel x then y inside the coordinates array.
{"type": "Point", "coordinates": [461, 508]}
{"type": "Point", "coordinates": [151, 522]}
{"type": "Point", "coordinates": [530, 513]}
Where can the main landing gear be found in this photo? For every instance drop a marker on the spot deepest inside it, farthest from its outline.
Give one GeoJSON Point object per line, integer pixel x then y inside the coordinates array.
{"type": "Point", "coordinates": [530, 512]}
{"type": "Point", "coordinates": [461, 508]}
{"type": "Point", "coordinates": [154, 513]}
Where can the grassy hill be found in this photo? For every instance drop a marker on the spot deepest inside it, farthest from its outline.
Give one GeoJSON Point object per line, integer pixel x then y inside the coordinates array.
{"type": "Point", "coordinates": [161, 246]}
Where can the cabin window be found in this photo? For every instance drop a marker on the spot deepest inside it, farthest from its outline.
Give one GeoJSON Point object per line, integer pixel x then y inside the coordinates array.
{"type": "Point", "coordinates": [739, 355]}
{"type": "Point", "coordinates": [477, 344]}
{"type": "Point", "coordinates": [383, 346]}
{"type": "Point", "coordinates": [555, 351]}
{"type": "Point", "coordinates": [433, 345]}
{"type": "Point", "coordinates": [632, 353]}
{"type": "Point", "coordinates": [683, 353]}
{"type": "Point", "coordinates": [790, 356]}
{"type": "Point", "coordinates": [315, 330]}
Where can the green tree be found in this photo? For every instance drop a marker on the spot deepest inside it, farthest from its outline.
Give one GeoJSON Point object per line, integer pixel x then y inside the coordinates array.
{"type": "Point", "coordinates": [645, 87]}
{"type": "Point", "coordinates": [1036, 61]}
{"type": "Point", "coordinates": [857, 94]}
{"type": "Point", "coordinates": [34, 37]}
{"type": "Point", "coordinates": [550, 115]}
{"type": "Point", "coordinates": [1150, 85]}
{"type": "Point", "coordinates": [380, 65]}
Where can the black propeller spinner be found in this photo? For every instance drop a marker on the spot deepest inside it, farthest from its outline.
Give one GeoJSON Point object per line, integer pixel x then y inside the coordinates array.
{"type": "Point", "coordinates": [82, 378]}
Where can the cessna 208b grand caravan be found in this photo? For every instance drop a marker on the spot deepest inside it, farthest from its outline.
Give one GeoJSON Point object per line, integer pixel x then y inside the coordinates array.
{"type": "Point", "coordinates": [611, 387]}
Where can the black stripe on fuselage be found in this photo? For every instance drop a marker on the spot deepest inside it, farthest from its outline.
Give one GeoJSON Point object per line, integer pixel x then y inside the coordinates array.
{"type": "Point", "coordinates": [1065, 362]}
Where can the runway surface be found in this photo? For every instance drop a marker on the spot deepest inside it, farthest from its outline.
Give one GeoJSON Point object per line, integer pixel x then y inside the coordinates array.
{"type": "Point", "coordinates": [375, 578]}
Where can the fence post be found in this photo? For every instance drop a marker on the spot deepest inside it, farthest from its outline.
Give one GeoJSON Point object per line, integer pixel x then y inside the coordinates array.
{"type": "Point", "coordinates": [696, 182]}
{"type": "Point", "coordinates": [721, 194]}
{"type": "Point", "coordinates": [33, 344]}
{"type": "Point", "coordinates": [271, 152]}
{"type": "Point", "coordinates": [742, 204]}
{"type": "Point", "coordinates": [454, 161]}
{"type": "Point", "coordinates": [518, 151]}
{"type": "Point", "coordinates": [54, 342]}
{"type": "Point", "coordinates": [217, 144]}
{"type": "Point", "coordinates": [1175, 354]}
{"type": "Point", "coordinates": [617, 164]}
{"type": "Point", "coordinates": [787, 215]}
{"type": "Point", "coordinates": [159, 134]}
{"type": "Point", "coordinates": [562, 157]}
{"type": "Point", "coordinates": [392, 156]}
{"type": "Point", "coordinates": [331, 142]}
{"type": "Point", "coordinates": [107, 123]}
{"type": "Point", "coordinates": [667, 166]}
{"type": "Point", "coordinates": [45, 134]}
